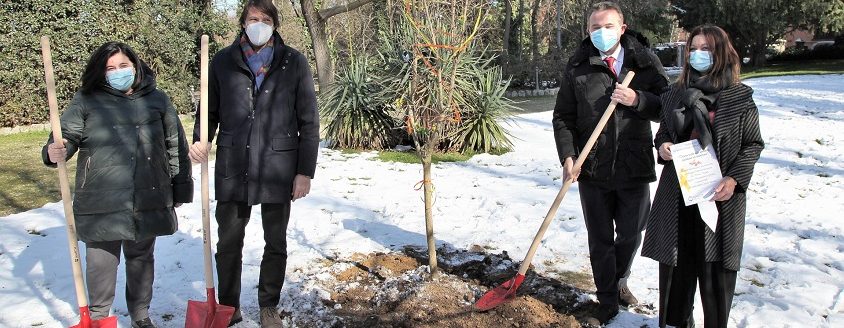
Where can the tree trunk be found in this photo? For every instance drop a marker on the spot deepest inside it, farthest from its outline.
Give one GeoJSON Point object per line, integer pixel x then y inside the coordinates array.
{"type": "Point", "coordinates": [559, 26]}
{"type": "Point", "coordinates": [508, 18]}
{"type": "Point", "coordinates": [758, 49]}
{"type": "Point", "coordinates": [584, 26]}
{"type": "Point", "coordinates": [534, 35]}
{"type": "Point", "coordinates": [429, 215]}
{"type": "Point", "coordinates": [521, 18]}
{"type": "Point", "coordinates": [319, 39]}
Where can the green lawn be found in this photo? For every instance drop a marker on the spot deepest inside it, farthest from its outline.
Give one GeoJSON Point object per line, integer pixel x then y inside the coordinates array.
{"type": "Point", "coordinates": [795, 68]}
{"type": "Point", "coordinates": [26, 182]}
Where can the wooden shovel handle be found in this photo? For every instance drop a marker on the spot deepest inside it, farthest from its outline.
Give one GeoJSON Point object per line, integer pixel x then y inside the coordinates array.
{"type": "Point", "coordinates": [203, 141]}
{"type": "Point", "coordinates": [576, 168]}
{"type": "Point", "coordinates": [79, 282]}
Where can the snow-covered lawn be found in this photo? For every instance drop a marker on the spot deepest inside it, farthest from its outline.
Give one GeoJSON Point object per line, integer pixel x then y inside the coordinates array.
{"type": "Point", "coordinates": [792, 271]}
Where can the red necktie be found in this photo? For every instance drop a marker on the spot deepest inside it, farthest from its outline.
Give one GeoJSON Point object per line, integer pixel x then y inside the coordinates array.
{"type": "Point", "coordinates": [611, 63]}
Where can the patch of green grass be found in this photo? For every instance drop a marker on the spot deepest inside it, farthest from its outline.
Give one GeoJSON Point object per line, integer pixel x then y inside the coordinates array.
{"type": "Point", "coordinates": [534, 104]}
{"type": "Point", "coordinates": [795, 68]}
{"type": "Point", "coordinates": [582, 280]}
{"type": "Point", "coordinates": [27, 183]}
{"type": "Point", "coordinates": [35, 232]}
{"type": "Point", "coordinates": [412, 158]}
{"type": "Point", "coordinates": [399, 157]}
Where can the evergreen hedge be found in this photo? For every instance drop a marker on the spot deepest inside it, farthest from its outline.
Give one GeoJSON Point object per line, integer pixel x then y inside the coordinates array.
{"type": "Point", "coordinates": [165, 33]}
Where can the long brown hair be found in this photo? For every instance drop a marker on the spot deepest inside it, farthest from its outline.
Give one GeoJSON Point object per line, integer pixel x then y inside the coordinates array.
{"type": "Point", "coordinates": [725, 60]}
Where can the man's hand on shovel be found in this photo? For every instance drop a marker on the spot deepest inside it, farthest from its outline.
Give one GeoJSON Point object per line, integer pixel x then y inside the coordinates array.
{"type": "Point", "coordinates": [567, 171]}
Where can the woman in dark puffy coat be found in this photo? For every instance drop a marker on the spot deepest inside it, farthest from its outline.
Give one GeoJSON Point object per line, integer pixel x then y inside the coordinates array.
{"type": "Point", "coordinates": [710, 104]}
{"type": "Point", "coordinates": [132, 171]}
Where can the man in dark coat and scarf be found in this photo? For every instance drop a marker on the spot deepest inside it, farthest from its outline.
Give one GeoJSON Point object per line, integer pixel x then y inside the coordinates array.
{"type": "Point", "coordinates": [262, 104]}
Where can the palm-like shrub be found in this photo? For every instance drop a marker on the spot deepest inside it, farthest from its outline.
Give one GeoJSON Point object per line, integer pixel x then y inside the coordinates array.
{"type": "Point", "coordinates": [455, 98]}
{"type": "Point", "coordinates": [356, 110]}
{"type": "Point", "coordinates": [480, 127]}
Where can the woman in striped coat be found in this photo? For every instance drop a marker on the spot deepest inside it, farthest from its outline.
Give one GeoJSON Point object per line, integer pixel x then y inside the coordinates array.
{"type": "Point", "coordinates": [708, 103]}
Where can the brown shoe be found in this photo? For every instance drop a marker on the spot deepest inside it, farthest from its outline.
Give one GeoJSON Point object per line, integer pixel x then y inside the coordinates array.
{"type": "Point", "coordinates": [602, 315]}
{"type": "Point", "coordinates": [625, 297]}
{"type": "Point", "coordinates": [270, 318]}
{"type": "Point", "coordinates": [237, 317]}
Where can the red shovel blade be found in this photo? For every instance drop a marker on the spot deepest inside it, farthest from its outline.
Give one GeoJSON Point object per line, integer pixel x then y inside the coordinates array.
{"type": "Point", "coordinates": [86, 322]}
{"type": "Point", "coordinates": [208, 314]}
{"type": "Point", "coordinates": [501, 294]}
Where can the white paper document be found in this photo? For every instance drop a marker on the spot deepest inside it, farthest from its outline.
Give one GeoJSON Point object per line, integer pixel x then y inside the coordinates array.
{"type": "Point", "coordinates": [699, 175]}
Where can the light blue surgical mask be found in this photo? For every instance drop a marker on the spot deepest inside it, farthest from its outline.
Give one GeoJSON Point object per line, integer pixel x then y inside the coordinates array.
{"type": "Point", "coordinates": [701, 60]}
{"type": "Point", "coordinates": [121, 79]}
{"type": "Point", "coordinates": [604, 39]}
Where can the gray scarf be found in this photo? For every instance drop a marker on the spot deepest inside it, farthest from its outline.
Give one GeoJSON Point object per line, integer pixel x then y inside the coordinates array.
{"type": "Point", "coordinates": [696, 101]}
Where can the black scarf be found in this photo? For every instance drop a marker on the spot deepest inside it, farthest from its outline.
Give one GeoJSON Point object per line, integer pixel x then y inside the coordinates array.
{"type": "Point", "coordinates": [696, 100]}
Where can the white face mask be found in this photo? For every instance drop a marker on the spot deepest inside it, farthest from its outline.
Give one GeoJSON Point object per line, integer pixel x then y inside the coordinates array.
{"type": "Point", "coordinates": [259, 33]}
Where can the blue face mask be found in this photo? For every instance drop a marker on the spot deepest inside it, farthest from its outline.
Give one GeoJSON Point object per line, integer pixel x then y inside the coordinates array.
{"type": "Point", "coordinates": [700, 60]}
{"type": "Point", "coordinates": [121, 79]}
{"type": "Point", "coordinates": [604, 39]}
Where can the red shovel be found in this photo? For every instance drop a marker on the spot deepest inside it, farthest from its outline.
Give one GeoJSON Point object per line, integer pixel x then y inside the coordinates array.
{"type": "Point", "coordinates": [207, 314]}
{"type": "Point", "coordinates": [81, 294]}
{"type": "Point", "coordinates": [507, 291]}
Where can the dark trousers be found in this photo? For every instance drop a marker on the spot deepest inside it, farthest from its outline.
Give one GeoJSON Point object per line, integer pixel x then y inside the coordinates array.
{"type": "Point", "coordinates": [232, 218]}
{"type": "Point", "coordinates": [101, 260]}
{"type": "Point", "coordinates": [615, 219]}
{"type": "Point", "coordinates": [677, 284]}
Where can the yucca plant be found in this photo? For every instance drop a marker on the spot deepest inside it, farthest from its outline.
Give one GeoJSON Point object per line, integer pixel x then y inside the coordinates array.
{"type": "Point", "coordinates": [356, 110]}
{"type": "Point", "coordinates": [429, 51]}
{"type": "Point", "coordinates": [480, 128]}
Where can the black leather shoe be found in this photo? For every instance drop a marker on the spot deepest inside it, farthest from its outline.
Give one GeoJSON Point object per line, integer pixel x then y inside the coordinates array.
{"type": "Point", "coordinates": [145, 323]}
{"type": "Point", "coordinates": [602, 315]}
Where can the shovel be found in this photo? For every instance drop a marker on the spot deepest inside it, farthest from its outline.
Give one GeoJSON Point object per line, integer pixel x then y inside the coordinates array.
{"type": "Point", "coordinates": [507, 291]}
{"type": "Point", "coordinates": [81, 295]}
{"type": "Point", "coordinates": [207, 314]}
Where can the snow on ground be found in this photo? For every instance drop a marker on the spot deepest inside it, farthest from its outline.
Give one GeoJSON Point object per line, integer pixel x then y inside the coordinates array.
{"type": "Point", "coordinates": [792, 271]}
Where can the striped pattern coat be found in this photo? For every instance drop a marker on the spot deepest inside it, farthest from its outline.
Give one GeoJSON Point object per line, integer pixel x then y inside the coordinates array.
{"type": "Point", "coordinates": [738, 144]}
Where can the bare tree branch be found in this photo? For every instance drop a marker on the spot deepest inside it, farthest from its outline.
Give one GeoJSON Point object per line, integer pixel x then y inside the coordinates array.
{"type": "Point", "coordinates": [328, 12]}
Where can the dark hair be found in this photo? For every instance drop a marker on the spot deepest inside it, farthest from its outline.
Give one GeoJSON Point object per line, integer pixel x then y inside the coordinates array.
{"type": "Point", "coordinates": [95, 71]}
{"type": "Point", "coordinates": [607, 5]}
{"type": "Point", "coordinates": [725, 60]}
{"type": "Point", "coordinates": [265, 6]}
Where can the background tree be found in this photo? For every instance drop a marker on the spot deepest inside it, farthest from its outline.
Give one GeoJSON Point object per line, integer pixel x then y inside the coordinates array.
{"type": "Point", "coordinates": [755, 24]}
{"type": "Point", "coordinates": [316, 20]}
{"type": "Point", "coordinates": [555, 30]}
